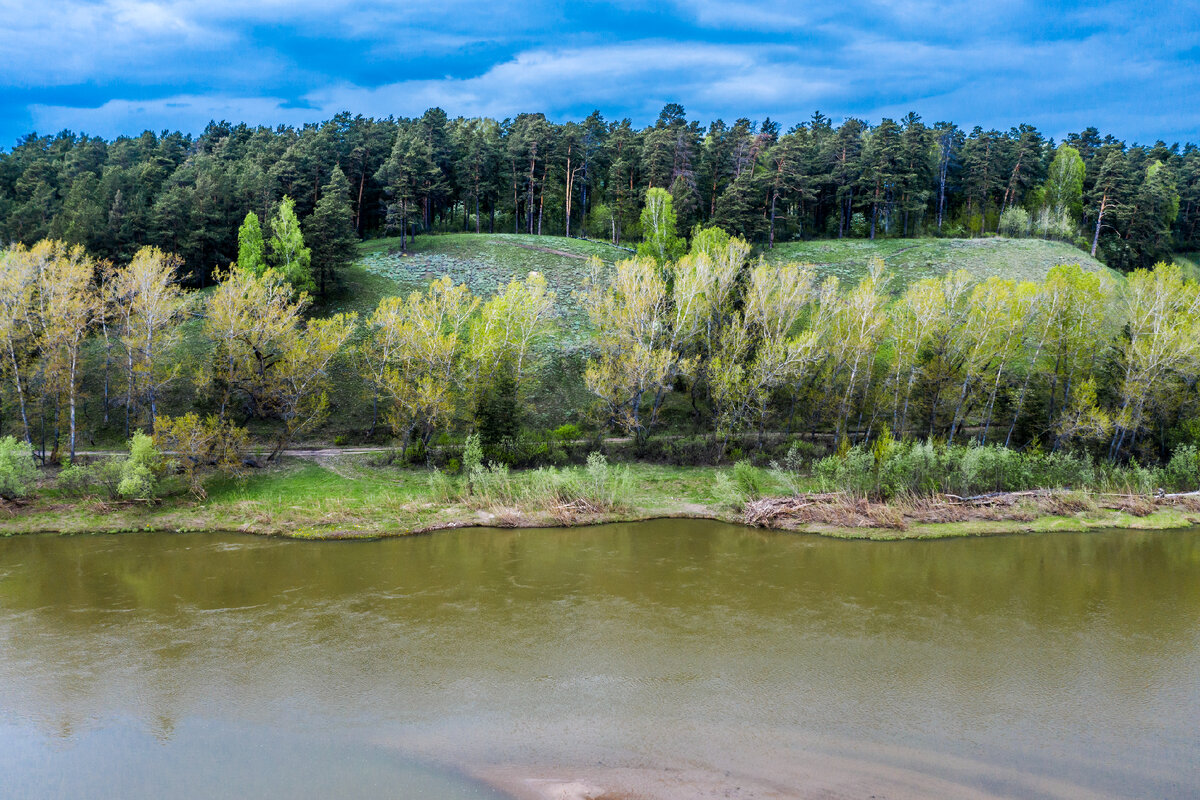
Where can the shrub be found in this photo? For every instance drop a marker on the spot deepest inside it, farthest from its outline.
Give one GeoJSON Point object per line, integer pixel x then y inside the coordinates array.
{"type": "Point", "coordinates": [749, 479]}
{"type": "Point", "coordinates": [1014, 222]}
{"type": "Point", "coordinates": [604, 486]}
{"type": "Point", "coordinates": [491, 485]}
{"type": "Point", "coordinates": [18, 474]}
{"type": "Point", "coordinates": [106, 476]}
{"type": "Point", "coordinates": [472, 459]}
{"type": "Point", "coordinates": [787, 472]}
{"type": "Point", "coordinates": [727, 493]}
{"type": "Point", "coordinates": [441, 487]}
{"type": "Point", "coordinates": [141, 471]}
{"type": "Point", "coordinates": [566, 433]}
{"type": "Point", "coordinates": [202, 445]}
{"type": "Point", "coordinates": [75, 479]}
{"type": "Point", "coordinates": [1182, 472]}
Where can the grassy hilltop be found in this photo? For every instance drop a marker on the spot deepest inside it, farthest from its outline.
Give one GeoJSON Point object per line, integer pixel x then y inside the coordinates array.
{"type": "Point", "coordinates": [486, 261]}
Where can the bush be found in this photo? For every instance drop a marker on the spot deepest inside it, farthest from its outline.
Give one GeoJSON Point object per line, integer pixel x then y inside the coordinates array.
{"type": "Point", "coordinates": [18, 474]}
{"type": "Point", "coordinates": [1182, 472]}
{"type": "Point", "coordinates": [472, 457]}
{"type": "Point", "coordinates": [604, 486]}
{"type": "Point", "coordinates": [491, 485]}
{"type": "Point", "coordinates": [140, 472]}
{"type": "Point", "coordinates": [1015, 222]}
{"type": "Point", "coordinates": [441, 487]}
{"type": "Point", "coordinates": [75, 479]}
{"type": "Point", "coordinates": [202, 445]}
{"type": "Point", "coordinates": [750, 480]}
{"type": "Point", "coordinates": [886, 469]}
{"type": "Point", "coordinates": [566, 433]}
{"type": "Point", "coordinates": [787, 472]}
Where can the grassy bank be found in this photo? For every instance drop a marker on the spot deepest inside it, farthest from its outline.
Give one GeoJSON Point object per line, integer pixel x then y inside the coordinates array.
{"type": "Point", "coordinates": [355, 496]}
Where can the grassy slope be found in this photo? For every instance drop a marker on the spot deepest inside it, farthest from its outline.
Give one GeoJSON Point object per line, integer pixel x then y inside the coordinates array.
{"type": "Point", "coordinates": [486, 262]}
{"type": "Point", "coordinates": [913, 259]}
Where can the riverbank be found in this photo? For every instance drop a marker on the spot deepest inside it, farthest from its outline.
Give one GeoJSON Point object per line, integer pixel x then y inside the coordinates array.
{"type": "Point", "coordinates": [350, 496]}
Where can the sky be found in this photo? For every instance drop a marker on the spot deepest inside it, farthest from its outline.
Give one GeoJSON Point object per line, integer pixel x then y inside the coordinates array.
{"type": "Point", "coordinates": [113, 67]}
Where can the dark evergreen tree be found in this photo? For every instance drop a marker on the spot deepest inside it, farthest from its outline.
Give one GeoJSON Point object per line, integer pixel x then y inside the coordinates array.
{"type": "Point", "coordinates": [330, 233]}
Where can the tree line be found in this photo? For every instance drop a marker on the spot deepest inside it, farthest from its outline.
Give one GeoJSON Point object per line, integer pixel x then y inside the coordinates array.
{"type": "Point", "coordinates": [704, 340]}
{"type": "Point", "coordinates": [1128, 204]}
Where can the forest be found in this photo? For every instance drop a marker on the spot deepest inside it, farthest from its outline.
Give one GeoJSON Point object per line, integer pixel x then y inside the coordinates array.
{"type": "Point", "coordinates": [699, 341]}
{"type": "Point", "coordinates": [1128, 204]}
{"type": "Point", "coordinates": [184, 296]}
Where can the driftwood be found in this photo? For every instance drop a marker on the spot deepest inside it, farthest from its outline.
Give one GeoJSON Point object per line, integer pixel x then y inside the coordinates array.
{"type": "Point", "coordinates": [845, 510]}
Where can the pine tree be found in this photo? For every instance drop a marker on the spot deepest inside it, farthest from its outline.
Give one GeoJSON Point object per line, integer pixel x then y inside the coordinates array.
{"type": "Point", "coordinates": [330, 229]}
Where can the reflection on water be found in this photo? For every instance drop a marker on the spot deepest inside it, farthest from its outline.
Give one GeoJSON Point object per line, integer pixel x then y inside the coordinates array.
{"type": "Point", "coordinates": [157, 665]}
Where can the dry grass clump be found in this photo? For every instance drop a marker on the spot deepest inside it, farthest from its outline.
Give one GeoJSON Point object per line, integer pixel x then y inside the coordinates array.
{"type": "Point", "coordinates": [507, 517]}
{"type": "Point", "coordinates": [1191, 503]}
{"type": "Point", "coordinates": [835, 509]}
{"type": "Point", "coordinates": [844, 510]}
{"type": "Point", "coordinates": [1064, 504]}
{"type": "Point", "coordinates": [1137, 505]}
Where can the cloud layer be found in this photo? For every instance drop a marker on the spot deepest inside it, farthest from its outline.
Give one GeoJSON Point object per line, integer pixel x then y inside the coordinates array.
{"type": "Point", "coordinates": [122, 66]}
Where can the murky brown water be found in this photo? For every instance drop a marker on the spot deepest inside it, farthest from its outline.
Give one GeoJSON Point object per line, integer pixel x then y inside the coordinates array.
{"type": "Point", "coordinates": [205, 665]}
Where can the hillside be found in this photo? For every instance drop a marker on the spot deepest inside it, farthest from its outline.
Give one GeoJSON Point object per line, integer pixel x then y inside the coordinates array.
{"type": "Point", "coordinates": [485, 261]}
{"type": "Point", "coordinates": [913, 259]}
{"type": "Point", "coordinates": [488, 261]}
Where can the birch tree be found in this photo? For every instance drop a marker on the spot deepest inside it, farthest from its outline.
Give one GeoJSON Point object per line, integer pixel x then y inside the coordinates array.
{"type": "Point", "coordinates": [507, 328]}
{"type": "Point", "coordinates": [67, 302]}
{"type": "Point", "coordinates": [17, 282]}
{"type": "Point", "coordinates": [1162, 311]}
{"type": "Point", "coordinates": [150, 305]}
{"type": "Point", "coordinates": [641, 331]}
{"type": "Point", "coordinates": [428, 336]}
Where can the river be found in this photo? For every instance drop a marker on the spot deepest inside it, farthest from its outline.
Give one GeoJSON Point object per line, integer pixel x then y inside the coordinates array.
{"type": "Point", "coordinates": [663, 659]}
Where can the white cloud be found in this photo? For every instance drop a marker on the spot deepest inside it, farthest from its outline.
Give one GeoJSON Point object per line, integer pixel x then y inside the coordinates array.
{"type": "Point", "coordinates": [997, 64]}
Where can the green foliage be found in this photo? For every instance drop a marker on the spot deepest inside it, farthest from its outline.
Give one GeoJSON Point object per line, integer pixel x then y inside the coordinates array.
{"type": "Point", "coordinates": [330, 229]}
{"type": "Point", "coordinates": [497, 416]}
{"type": "Point", "coordinates": [920, 468]}
{"type": "Point", "coordinates": [18, 474]}
{"type": "Point", "coordinates": [134, 477]}
{"type": "Point", "coordinates": [288, 253]}
{"type": "Point", "coordinates": [140, 472]}
{"type": "Point", "coordinates": [201, 446]}
{"type": "Point", "coordinates": [441, 487]}
{"type": "Point", "coordinates": [598, 487]}
{"type": "Point", "coordinates": [252, 252]}
{"type": "Point", "coordinates": [472, 457]}
{"type": "Point", "coordinates": [566, 433]}
{"type": "Point", "coordinates": [659, 239]}
{"type": "Point", "coordinates": [1182, 472]}
{"type": "Point", "coordinates": [1064, 183]}
{"type": "Point", "coordinates": [750, 481]}
{"type": "Point", "coordinates": [1015, 222]}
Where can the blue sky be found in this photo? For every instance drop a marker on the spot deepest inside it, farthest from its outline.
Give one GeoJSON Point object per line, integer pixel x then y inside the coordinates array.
{"type": "Point", "coordinates": [122, 66]}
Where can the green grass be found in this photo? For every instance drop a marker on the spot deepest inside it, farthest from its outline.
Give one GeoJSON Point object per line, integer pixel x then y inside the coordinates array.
{"type": "Point", "coordinates": [910, 260]}
{"type": "Point", "coordinates": [352, 497]}
{"type": "Point", "coordinates": [486, 262]}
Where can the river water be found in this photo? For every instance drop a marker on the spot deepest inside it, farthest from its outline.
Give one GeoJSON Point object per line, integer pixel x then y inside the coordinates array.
{"type": "Point", "coordinates": [673, 658]}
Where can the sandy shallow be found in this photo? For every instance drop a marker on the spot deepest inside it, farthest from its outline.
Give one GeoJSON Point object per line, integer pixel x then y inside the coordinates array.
{"type": "Point", "coordinates": [794, 777]}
